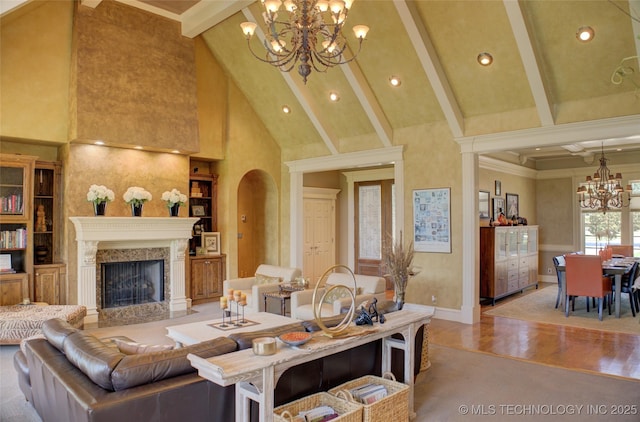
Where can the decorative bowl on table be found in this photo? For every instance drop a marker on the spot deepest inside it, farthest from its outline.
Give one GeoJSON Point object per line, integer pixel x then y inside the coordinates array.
{"type": "Point", "coordinates": [295, 338]}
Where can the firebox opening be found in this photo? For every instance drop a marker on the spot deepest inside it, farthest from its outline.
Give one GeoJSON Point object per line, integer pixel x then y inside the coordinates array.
{"type": "Point", "coordinates": [132, 283]}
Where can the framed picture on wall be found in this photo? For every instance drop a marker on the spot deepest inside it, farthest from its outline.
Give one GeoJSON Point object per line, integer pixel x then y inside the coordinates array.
{"type": "Point", "coordinates": [498, 207]}
{"type": "Point", "coordinates": [211, 243]}
{"type": "Point", "coordinates": [498, 188]}
{"type": "Point", "coordinates": [483, 204]}
{"type": "Point", "coordinates": [512, 206]}
{"type": "Point", "coordinates": [432, 220]}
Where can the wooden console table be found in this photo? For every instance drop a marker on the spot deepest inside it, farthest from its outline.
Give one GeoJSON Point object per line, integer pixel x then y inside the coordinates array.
{"type": "Point", "coordinates": [256, 377]}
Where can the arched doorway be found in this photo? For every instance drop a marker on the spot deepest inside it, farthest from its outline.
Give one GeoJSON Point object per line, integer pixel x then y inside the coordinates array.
{"type": "Point", "coordinates": [257, 222]}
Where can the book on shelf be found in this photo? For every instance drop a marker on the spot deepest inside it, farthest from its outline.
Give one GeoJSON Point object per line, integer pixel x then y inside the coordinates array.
{"type": "Point", "coordinates": [11, 204]}
{"type": "Point", "coordinates": [13, 239]}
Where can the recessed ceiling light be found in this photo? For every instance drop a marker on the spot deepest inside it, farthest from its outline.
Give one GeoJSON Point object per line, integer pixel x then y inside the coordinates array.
{"type": "Point", "coordinates": [485, 59]}
{"type": "Point", "coordinates": [395, 81]}
{"type": "Point", "coordinates": [137, 147]}
{"type": "Point", "coordinates": [334, 96]}
{"type": "Point", "coordinates": [286, 109]}
{"type": "Point", "coordinates": [585, 34]}
{"type": "Point", "coordinates": [99, 142]}
{"type": "Point", "coordinates": [175, 151]}
{"type": "Point", "coordinates": [537, 149]}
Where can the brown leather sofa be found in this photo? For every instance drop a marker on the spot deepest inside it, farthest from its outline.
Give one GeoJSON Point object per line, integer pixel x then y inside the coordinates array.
{"type": "Point", "coordinates": [70, 375]}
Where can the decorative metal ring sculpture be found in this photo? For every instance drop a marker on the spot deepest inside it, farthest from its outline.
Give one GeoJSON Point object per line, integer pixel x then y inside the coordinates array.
{"type": "Point", "coordinates": [317, 306]}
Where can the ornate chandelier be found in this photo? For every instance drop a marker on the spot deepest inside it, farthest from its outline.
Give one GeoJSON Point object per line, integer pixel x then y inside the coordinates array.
{"type": "Point", "coordinates": [603, 191]}
{"type": "Point", "coordinates": [312, 35]}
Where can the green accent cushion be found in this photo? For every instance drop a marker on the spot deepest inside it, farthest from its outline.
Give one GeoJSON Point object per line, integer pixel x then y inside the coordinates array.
{"type": "Point", "coordinates": [335, 294]}
{"type": "Point", "coordinates": [265, 279]}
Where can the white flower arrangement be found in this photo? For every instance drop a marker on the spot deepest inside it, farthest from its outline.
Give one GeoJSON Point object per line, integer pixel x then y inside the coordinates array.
{"type": "Point", "coordinates": [99, 194]}
{"type": "Point", "coordinates": [174, 197]}
{"type": "Point", "coordinates": [136, 196]}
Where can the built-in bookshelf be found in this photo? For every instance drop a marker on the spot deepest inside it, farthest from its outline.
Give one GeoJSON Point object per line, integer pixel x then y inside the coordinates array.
{"type": "Point", "coordinates": [202, 203]}
{"type": "Point", "coordinates": [16, 228]}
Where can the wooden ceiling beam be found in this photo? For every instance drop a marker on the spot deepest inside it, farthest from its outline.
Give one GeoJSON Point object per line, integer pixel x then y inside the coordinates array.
{"type": "Point", "coordinates": [532, 69]}
{"type": "Point", "coordinates": [431, 64]}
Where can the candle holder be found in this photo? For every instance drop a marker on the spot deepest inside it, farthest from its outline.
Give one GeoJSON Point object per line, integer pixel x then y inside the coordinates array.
{"type": "Point", "coordinates": [223, 325]}
{"type": "Point", "coordinates": [237, 323]}
{"type": "Point", "coordinates": [243, 305]}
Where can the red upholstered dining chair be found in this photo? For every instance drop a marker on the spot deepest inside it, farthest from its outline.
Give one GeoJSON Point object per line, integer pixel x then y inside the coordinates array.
{"type": "Point", "coordinates": [628, 280]}
{"type": "Point", "coordinates": [622, 250]}
{"type": "Point", "coordinates": [584, 278]}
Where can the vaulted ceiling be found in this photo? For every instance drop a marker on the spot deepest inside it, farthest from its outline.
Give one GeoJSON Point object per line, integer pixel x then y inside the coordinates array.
{"type": "Point", "coordinates": [542, 79]}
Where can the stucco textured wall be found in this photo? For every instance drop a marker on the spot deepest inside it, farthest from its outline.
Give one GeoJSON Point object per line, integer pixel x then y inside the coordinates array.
{"type": "Point", "coordinates": [135, 79]}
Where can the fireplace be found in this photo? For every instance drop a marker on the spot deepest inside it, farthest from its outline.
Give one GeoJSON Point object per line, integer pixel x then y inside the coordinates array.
{"type": "Point", "coordinates": [132, 283]}
{"type": "Point", "coordinates": [126, 239]}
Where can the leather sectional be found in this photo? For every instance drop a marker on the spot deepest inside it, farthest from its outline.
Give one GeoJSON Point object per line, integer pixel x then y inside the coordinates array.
{"type": "Point", "coordinates": [70, 375]}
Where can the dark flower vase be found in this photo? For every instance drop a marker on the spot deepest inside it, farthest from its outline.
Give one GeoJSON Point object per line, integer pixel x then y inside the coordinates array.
{"type": "Point", "coordinates": [136, 210]}
{"type": "Point", "coordinates": [174, 210]}
{"type": "Point", "coordinates": [100, 209]}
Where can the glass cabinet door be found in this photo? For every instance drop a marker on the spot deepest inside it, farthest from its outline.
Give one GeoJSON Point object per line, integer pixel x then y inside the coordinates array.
{"type": "Point", "coordinates": [12, 193]}
{"type": "Point", "coordinates": [533, 240]}
{"type": "Point", "coordinates": [512, 242]}
{"type": "Point", "coordinates": [523, 241]}
{"type": "Point", "coordinates": [501, 244]}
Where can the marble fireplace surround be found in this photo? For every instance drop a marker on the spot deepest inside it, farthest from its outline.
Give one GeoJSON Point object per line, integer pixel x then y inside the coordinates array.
{"type": "Point", "coordinates": [94, 233]}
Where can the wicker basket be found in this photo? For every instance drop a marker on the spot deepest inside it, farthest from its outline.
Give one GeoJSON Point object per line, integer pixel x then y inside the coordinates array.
{"type": "Point", "coordinates": [348, 411]}
{"type": "Point", "coordinates": [394, 407]}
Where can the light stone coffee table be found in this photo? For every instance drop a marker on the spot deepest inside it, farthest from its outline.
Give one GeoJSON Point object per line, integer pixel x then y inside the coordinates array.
{"type": "Point", "coordinates": [197, 332]}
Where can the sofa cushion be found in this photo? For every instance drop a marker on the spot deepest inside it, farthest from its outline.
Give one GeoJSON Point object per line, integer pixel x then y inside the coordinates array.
{"type": "Point", "coordinates": [56, 331]}
{"type": "Point", "coordinates": [133, 348]}
{"type": "Point", "coordinates": [134, 370]}
{"type": "Point", "coordinates": [337, 293]}
{"type": "Point", "coordinates": [266, 279]}
{"type": "Point", "coordinates": [94, 358]}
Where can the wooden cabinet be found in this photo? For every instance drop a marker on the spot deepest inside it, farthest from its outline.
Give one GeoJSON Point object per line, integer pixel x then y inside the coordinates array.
{"type": "Point", "coordinates": [206, 276]}
{"type": "Point", "coordinates": [47, 220]}
{"type": "Point", "coordinates": [16, 227]}
{"type": "Point", "coordinates": [508, 260]}
{"type": "Point", "coordinates": [47, 283]}
{"type": "Point", "coordinates": [13, 288]}
{"type": "Point", "coordinates": [203, 195]}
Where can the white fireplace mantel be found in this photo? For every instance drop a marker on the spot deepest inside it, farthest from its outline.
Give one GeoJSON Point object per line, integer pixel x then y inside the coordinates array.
{"type": "Point", "coordinates": [93, 233]}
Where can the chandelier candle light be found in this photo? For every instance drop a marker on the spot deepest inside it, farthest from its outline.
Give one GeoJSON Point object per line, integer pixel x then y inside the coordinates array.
{"type": "Point", "coordinates": [603, 191]}
{"type": "Point", "coordinates": [312, 35]}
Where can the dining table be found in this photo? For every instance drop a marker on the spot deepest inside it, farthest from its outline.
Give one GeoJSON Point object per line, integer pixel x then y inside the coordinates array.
{"type": "Point", "coordinates": [616, 267]}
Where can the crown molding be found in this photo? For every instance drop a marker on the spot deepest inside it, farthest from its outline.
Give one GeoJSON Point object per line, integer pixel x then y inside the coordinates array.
{"type": "Point", "coordinates": [488, 163]}
{"type": "Point", "coordinates": [594, 130]}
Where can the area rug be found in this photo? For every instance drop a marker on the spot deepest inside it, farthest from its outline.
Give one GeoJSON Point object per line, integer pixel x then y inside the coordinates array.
{"type": "Point", "coordinates": [468, 386]}
{"type": "Point", "coordinates": [540, 307]}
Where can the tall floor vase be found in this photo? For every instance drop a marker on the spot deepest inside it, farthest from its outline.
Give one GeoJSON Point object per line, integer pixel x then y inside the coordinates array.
{"type": "Point", "coordinates": [136, 210]}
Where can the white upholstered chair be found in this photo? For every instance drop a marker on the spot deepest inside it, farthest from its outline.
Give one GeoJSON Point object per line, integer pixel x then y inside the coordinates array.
{"type": "Point", "coordinates": [266, 279]}
{"type": "Point", "coordinates": [368, 288]}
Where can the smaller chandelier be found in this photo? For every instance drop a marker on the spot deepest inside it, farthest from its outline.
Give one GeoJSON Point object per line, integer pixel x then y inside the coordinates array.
{"type": "Point", "coordinates": [312, 35]}
{"type": "Point", "coordinates": [603, 191]}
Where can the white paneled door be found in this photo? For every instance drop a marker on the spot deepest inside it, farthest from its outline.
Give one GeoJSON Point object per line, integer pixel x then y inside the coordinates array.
{"type": "Point", "coordinates": [319, 236]}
